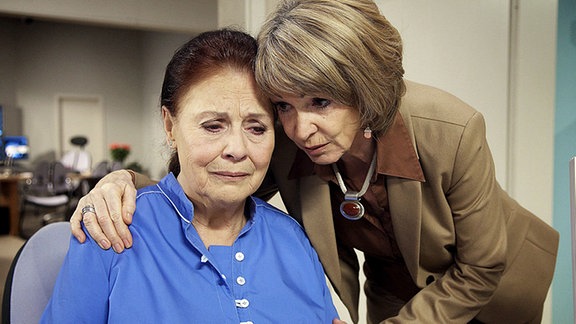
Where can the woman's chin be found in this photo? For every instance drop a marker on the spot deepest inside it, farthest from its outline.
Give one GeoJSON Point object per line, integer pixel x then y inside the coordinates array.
{"type": "Point", "coordinates": [324, 159]}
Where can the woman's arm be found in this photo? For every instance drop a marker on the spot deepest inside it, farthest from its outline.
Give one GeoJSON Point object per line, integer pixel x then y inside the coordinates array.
{"type": "Point", "coordinates": [81, 292]}
{"type": "Point", "coordinates": [114, 199]}
{"type": "Point", "coordinates": [478, 218]}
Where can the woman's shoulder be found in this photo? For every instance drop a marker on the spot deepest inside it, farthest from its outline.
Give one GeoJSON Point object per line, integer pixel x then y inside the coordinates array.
{"type": "Point", "coordinates": [273, 214]}
{"type": "Point", "coordinates": [278, 225]}
{"type": "Point", "coordinates": [433, 104]}
{"type": "Point", "coordinates": [147, 197]}
{"type": "Point", "coordinates": [168, 187]}
{"type": "Point", "coordinates": [160, 213]}
{"type": "Point", "coordinates": [156, 200]}
{"type": "Point", "coordinates": [145, 192]}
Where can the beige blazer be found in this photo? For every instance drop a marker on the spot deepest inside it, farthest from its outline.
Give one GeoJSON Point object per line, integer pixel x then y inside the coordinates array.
{"type": "Point", "coordinates": [472, 249]}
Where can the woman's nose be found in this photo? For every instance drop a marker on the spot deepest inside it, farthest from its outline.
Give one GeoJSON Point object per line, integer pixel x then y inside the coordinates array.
{"type": "Point", "coordinates": [304, 127]}
{"type": "Point", "coordinates": [236, 146]}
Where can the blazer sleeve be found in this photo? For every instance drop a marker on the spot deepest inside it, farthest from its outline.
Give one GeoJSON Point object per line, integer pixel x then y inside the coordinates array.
{"type": "Point", "coordinates": [141, 181]}
{"type": "Point", "coordinates": [476, 258]}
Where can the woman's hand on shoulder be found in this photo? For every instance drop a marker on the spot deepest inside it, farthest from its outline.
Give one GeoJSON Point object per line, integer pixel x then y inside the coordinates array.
{"type": "Point", "coordinates": [114, 202]}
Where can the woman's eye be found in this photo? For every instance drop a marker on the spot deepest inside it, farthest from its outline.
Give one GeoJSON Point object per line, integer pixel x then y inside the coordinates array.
{"type": "Point", "coordinates": [281, 107]}
{"type": "Point", "coordinates": [256, 127]}
{"type": "Point", "coordinates": [258, 130]}
{"type": "Point", "coordinates": [212, 127]}
{"type": "Point", "coordinates": [321, 102]}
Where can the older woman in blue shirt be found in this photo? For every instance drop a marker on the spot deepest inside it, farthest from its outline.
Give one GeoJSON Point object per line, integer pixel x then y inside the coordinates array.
{"type": "Point", "coordinates": [205, 251]}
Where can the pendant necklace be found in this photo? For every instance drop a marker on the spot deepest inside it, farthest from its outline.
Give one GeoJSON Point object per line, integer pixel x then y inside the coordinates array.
{"type": "Point", "coordinates": [351, 208]}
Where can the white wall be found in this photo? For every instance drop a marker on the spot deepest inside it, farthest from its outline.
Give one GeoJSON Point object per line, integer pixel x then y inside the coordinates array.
{"type": "Point", "coordinates": [61, 59]}
{"type": "Point", "coordinates": [159, 49]}
{"type": "Point", "coordinates": [462, 47]}
{"type": "Point", "coordinates": [56, 59]}
{"type": "Point", "coordinates": [531, 110]}
{"type": "Point", "coordinates": [7, 63]}
{"type": "Point", "coordinates": [174, 15]}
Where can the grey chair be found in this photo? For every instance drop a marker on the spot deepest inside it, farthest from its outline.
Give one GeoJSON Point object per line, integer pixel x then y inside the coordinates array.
{"type": "Point", "coordinates": [101, 169]}
{"type": "Point", "coordinates": [78, 160]}
{"type": "Point", "coordinates": [33, 274]}
{"type": "Point", "coordinates": [48, 193]}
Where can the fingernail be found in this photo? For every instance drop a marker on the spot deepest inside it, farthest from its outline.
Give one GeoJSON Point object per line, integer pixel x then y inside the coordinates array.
{"type": "Point", "coordinates": [118, 248]}
{"type": "Point", "coordinates": [127, 243]}
{"type": "Point", "coordinates": [105, 244]}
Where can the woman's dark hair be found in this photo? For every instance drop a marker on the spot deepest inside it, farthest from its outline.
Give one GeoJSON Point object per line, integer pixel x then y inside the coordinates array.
{"type": "Point", "coordinates": [200, 58]}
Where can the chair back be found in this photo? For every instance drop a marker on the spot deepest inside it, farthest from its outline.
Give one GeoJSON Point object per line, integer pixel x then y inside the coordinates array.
{"type": "Point", "coordinates": [33, 273]}
{"type": "Point", "coordinates": [77, 160]}
{"type": "Point", "coordinates": [101, 169]}
{"type": "Point", "coordinates": [41, 181]}
{"type": "Point", "coordinates": [116, 166]}
{"type": "Point", "coordinates": [61, 182]}
{"type": "Point", "coordinates": [49, 179]}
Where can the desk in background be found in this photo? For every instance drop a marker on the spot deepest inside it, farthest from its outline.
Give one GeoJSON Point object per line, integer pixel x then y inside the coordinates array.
{"type": "Point", "coordinates": [10, 197]}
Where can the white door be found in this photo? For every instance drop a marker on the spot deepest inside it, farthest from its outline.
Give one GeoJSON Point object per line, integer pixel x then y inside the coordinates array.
{"type": "Point", "coordinates": [82, 116]}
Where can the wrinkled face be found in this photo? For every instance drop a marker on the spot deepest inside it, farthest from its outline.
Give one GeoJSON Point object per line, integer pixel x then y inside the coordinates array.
{"type": "Point", "coordinates": [224, 134]}
{"type": "Point", "coordinates": [321, 127]}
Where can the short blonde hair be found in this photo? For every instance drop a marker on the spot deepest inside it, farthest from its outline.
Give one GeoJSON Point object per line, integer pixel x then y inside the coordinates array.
{"type": "Point", "coordinates": [344, 49]}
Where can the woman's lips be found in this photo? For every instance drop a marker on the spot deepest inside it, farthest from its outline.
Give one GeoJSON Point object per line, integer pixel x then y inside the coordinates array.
{"type": "Point", "coordinates": [232, 175]}
{"type": "Point", "coordinates": [315, 150]}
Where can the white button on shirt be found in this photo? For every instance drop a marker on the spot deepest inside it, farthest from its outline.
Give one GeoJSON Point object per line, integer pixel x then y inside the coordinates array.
{"type": "Point", "coordinates": [241, 281]}
{"type": "Point", "coordinates": [242, 303]}
{"type": "Point", "coordinates": [239, 256]}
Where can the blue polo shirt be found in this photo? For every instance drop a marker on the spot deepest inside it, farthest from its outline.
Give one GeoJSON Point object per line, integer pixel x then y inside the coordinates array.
{"type": "Point", "coordinates": [271, 274]}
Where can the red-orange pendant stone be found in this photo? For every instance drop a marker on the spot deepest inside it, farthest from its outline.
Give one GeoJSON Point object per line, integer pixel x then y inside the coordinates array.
{"type": "Point", "coordinates": [351, 209]}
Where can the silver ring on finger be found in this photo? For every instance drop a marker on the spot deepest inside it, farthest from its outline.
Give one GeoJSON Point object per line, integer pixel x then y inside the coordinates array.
{"type": "Point", "coordinates": [88, 209]}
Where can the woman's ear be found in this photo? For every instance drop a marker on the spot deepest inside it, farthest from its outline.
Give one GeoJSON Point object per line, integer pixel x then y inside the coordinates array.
{"type": "Point", "coordinates": [168, 126]}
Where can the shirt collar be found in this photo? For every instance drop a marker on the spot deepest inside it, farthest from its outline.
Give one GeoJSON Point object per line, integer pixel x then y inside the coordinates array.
{"type": "Point", "coordinates": [184, 207]}
{"type": "Point", "coordinates": [396, 157]}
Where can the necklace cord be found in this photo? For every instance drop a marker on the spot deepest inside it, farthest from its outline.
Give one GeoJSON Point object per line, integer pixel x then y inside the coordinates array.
{"type": "Point", "coordinates": [355, 195]}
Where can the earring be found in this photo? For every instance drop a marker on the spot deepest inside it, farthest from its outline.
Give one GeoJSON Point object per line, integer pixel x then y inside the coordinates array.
{"type": "Point", "coordinates": [367, 132]}
{"type": "Point", "coordinates": [171, 143]}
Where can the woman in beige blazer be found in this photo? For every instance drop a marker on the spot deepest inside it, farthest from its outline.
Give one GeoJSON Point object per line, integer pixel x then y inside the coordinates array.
{"type": "Point", "coordinates": [470, 249]}
{"type": "Point", "coordinates": [367, 161]}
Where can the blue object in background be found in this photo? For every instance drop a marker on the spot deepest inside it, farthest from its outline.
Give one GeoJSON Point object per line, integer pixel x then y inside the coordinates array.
{"type": "Point", "coordinates": [564, 150]}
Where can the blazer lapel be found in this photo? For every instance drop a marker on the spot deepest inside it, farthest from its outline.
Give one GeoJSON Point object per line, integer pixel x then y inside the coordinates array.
{"type": "Point", "coordinates": [405, 197]}
{"type": "Point", "coordinates": [405, 201]}
{"type": "Point", "coordinates": [307, 199]}
{"type": "Point", "coordinates": [319, 225]}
